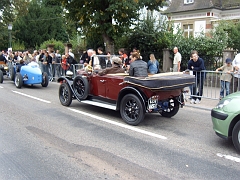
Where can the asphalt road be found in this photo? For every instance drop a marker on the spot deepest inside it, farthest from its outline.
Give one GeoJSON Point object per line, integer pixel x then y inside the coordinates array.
{"type": "Point", "coordinates": [41, 139]}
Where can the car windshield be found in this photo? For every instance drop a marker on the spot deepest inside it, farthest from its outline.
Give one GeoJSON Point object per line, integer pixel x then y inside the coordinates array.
{"type": "Point", "coordinates": [33, 64]}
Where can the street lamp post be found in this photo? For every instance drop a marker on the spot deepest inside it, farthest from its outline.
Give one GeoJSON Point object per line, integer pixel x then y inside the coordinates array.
{"type": "Point", "coordinates": [10, 35]}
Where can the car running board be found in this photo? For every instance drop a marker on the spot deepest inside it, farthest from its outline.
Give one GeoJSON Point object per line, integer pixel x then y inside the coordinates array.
{"type": "Point", "coordinates": [99, 104]}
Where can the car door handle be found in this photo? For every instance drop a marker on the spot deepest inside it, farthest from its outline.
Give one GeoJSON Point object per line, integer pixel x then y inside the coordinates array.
{"type": "Point", "coordinates": [102, 80]}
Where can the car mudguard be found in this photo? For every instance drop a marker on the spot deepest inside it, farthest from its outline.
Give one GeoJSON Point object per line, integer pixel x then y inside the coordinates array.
{"type": "Point", "coordinates": [130, 89]}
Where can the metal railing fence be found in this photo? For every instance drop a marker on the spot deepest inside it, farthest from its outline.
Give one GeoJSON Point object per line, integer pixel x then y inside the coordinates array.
{"type": "Point", "coordinates": [208, 85]}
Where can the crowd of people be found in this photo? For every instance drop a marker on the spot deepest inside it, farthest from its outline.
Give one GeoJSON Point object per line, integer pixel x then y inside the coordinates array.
{"type": "Point", "coordinates": [131, 63]}
{"type": "Point", "coordinates": [55, 65]}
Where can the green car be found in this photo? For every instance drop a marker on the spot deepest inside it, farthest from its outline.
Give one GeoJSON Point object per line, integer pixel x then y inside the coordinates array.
{"type": "Point", "coordinates": [226, 118]}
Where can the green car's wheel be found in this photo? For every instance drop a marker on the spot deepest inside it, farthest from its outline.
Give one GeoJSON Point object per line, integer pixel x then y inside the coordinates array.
{"type": "Point", "coordinates": [236, 136]}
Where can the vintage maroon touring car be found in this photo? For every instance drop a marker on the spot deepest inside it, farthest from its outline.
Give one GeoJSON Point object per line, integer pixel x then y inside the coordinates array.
{"type": "Point", "coordinates": [132, 96]}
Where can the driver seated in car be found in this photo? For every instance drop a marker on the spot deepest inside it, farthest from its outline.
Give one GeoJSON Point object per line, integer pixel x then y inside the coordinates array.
{"type": "Point", "coordinates": [116, 67]}
{"type": "Point", "coordinates": [18, 67]}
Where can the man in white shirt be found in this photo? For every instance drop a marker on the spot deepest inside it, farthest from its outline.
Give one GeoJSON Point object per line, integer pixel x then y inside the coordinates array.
{"type": "Point", "coordinates": [236, 66]}
{"type": "Point", "coordinates": [177, 60]}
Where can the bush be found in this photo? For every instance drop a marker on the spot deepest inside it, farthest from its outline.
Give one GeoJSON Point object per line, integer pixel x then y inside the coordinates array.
{"type": "Point", "coordinates": [17, 45]}
{"type": "Point", "coordinates": [57, 45]}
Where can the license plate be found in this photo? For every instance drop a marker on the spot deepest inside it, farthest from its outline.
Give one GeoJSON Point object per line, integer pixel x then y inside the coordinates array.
{"type": "Point", "coordinates": [152, 103]}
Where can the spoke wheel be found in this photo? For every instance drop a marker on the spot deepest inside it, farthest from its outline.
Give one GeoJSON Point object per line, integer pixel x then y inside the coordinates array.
{"type": "Point", "coordinates": [45, 79]}
{"type": "Point", "coordinates": [18, 80]}
{"type": "Point", "coordinates": [132, 109]}
{"type": "Point", "coordinates": [12, 73]}
{"type": "Point", "coordinates": [81, 87]}
{"type": "Point", "coordinates": [170, 108]}
{"type": "Point", "coordinates": [65, 94]}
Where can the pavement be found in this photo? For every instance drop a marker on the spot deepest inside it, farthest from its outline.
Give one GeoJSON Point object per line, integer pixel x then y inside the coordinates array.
{"type": "Point", "coordinates": [209, 100]}
{"type": "Point", "coordinates": [205, 104]}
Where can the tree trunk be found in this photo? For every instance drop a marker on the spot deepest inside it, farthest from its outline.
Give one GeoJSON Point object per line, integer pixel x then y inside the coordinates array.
{"type": "Point", "coordinates": [108, 43]}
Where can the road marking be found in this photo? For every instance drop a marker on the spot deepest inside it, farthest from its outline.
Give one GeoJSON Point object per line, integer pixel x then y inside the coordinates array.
{"type": "Point", "coordinates": [119, 124]}
{"type": "Point", "coordinates": [1, 87]}
{"type": "Point", "coordinates": [232, 158]}
{"type": "Point", "coordinates": [31, 97]}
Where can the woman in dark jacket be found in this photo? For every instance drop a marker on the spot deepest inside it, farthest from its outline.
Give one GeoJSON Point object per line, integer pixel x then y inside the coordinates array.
{"type": "Point", "coordinates": [138, 67]}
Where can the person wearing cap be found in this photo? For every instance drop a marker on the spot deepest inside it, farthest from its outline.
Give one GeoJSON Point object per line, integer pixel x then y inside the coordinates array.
{"type": "Point", "coordinates": [116, 67]}
{"type": "Point", "coordinates": [236, 66]}
{"type": "Point", "coordinates": [225, 77]}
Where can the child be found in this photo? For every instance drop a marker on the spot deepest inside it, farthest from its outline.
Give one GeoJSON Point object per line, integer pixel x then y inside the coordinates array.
{"type": "Point", "coordinates": [225, 77]}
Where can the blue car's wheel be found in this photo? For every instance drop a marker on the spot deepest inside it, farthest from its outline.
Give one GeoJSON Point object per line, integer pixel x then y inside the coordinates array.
{"type": "Point", "coordinates": [1, 76]}
{"type": "Point", "coordinates": [12, 73]}
{"type": "Point", "coordinates": [65, 94]}
{"type": "Point", "coordinates": [18, 80]}
{"type": "Point", "coordinates": [45, 79]}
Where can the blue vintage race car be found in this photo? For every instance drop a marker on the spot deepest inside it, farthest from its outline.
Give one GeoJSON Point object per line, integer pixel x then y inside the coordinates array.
{"type": "Point", "coordinates": [28, 74]}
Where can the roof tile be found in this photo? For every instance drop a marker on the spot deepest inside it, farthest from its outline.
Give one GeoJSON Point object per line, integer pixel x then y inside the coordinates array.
{"type": "Point", "coordinates": [179, 6]}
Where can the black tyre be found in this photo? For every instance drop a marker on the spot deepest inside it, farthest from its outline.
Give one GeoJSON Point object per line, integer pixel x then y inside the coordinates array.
{"type": "Point", "coordinates": [171, 109]}
{"type": "Point", "coordinates": [81, 87]}
{"type": "Point", "coordinates": [1, 76]}
{"type": "Point", "coordinates": [236, 136]}
{"type": "Point", "coordinates": [132, 109]}
{"type": "Point", "coordinates": [65, 94]}
{"type": "Point", "coordinates": [45, 79]}
{"type": "Point", "coordinates": [18, 80]}
{"type": "Point", "coordinates": [12, 73]}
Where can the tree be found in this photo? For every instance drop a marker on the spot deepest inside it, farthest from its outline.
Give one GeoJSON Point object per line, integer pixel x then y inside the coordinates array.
{"type": "Point", "coordinates": [42, 22]}
{"type": "Point", "coordinates": [108, 17]}
{"type": "Point", "coordinates": [233, 31]}
{"type": "Point", "coordinates": [4, 21]}
{"type": "Point", "coordinates": [148, 36]}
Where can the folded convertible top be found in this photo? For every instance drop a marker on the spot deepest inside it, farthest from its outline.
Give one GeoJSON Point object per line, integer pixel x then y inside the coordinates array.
{"type": "Point", "coordinates": [162, 82]}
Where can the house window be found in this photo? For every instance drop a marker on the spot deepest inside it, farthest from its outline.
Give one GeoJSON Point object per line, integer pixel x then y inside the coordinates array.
{"type": "Point", "coordinates": [188, 1]}
{"type": "Point", "coordinates": [188, 30]}
{"type": "Point", "coordinates": [199, 28]}
{"type": "Point", "coordinates": [209, 13]}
